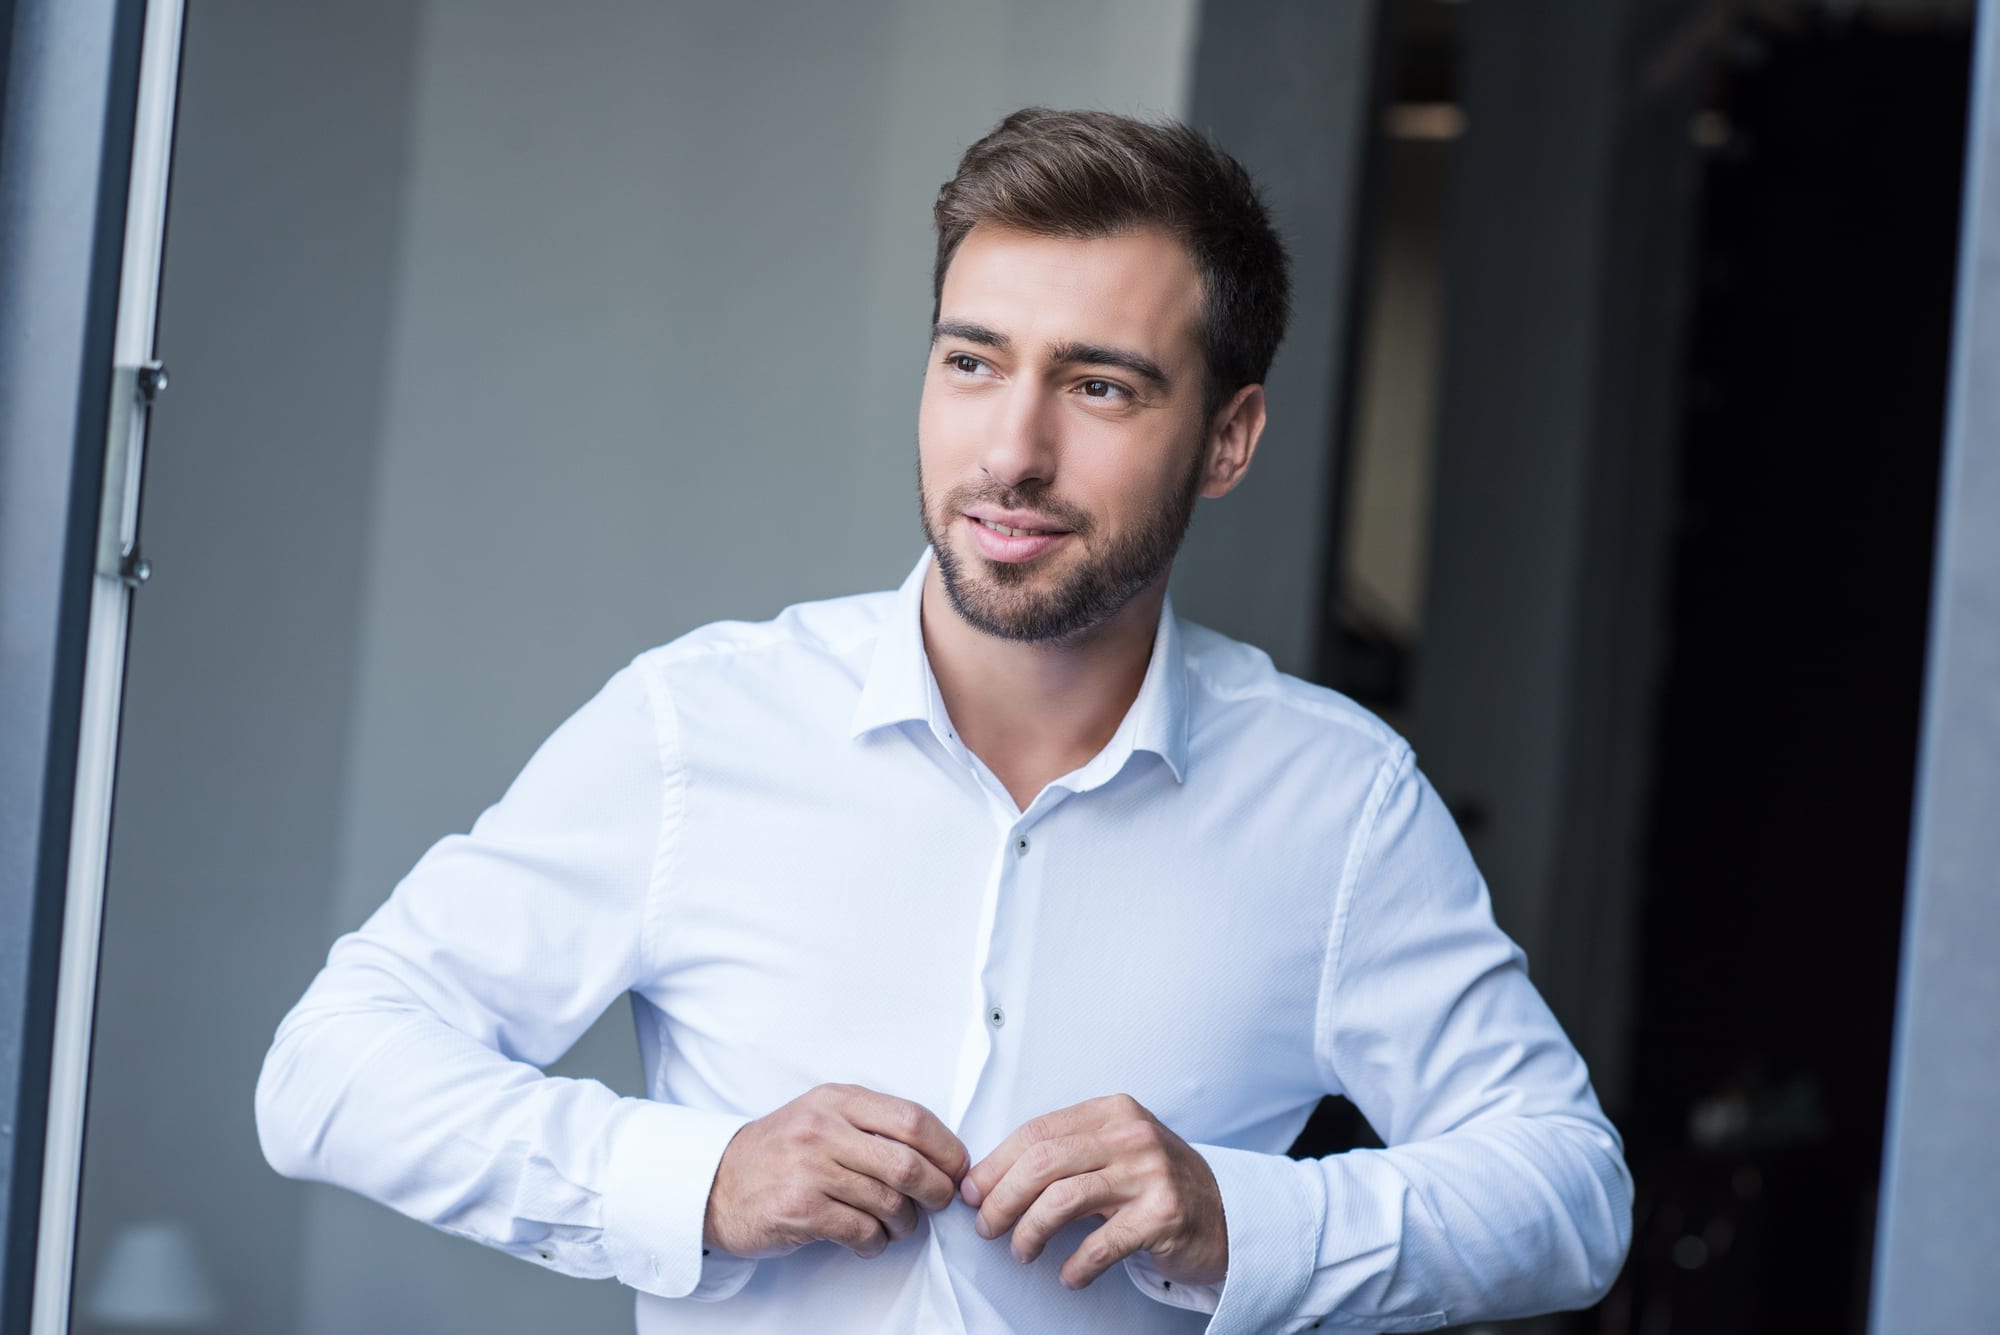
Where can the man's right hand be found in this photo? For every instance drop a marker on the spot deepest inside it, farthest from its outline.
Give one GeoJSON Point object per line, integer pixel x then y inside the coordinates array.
{"type": "Point", "coordinates": [839, 1163]}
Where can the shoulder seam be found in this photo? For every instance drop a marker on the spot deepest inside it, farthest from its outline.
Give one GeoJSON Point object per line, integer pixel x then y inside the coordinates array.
{"type": "Point", "coordinates": [673, 804]}
{"type": "Point", "coordinates": [1389, 772]}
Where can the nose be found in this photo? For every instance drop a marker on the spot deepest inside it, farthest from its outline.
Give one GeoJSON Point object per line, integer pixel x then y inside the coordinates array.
{"type": "Point", "coordinates": [1021, 446]}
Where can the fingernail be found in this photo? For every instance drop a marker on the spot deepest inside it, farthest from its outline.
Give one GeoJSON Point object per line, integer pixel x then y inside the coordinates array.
{"type": "Point", "coordinates": [972, 1193]}
{"type": "Point", "coordinates": [981, 1227]}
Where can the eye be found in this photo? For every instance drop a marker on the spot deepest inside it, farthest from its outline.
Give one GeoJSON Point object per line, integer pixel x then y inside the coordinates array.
{"type": "Point", "coordinates": [964, 363]}
{"type": "Point", "coordinates": [1108, 390]}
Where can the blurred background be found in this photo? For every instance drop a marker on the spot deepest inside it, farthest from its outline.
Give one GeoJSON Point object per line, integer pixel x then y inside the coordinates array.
{"type": "Point", "coordinates": [510, 339]}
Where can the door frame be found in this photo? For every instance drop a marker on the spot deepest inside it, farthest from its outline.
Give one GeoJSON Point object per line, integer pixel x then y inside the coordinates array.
{"type": "Point", "coordinates": [87, 95]}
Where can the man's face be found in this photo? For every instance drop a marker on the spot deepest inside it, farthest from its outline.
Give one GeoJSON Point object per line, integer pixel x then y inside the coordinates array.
{"type": "Point", "coordinates": [1060, 437]}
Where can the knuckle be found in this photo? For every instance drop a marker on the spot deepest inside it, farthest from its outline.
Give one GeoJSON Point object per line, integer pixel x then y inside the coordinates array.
{"type": "Point", "coordinates": [1065, 1195]}
{"type": "Point", "coordinates": [906, 1171]}
{"type": "Point", "coordinates": [1038, 1129]}
{"type": "Point", "coordinates": [906, 1119]}
{"type": "Point", "coordinates": [1132, 1138]}
{"type": "Point", "coordinates": [795, 1205]}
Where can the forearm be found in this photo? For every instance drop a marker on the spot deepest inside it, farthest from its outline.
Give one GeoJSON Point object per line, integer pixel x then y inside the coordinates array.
{"type": "Point", "coordinates": [367, 1088]}
{"type": "Point", "coordinates": [1510, 1216]}
{"type": "Point", "coordinates": [1513, 1216]}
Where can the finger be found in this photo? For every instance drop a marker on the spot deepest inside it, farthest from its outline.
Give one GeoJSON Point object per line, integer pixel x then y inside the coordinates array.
{"type": "Point", "coordinates": [911, 1123]}
{"type": "Point", "coordinates": [857, 1230]}
{"type": "Point", "coordinates": [1067, 1199]}
{"type": "Point", "coordinates": [895, 1165]}
{"type": "Point", "coordinates": [1107, 1245]}
{"type": "Point", "coordinates": [1073, 1120]}
{"type": "Point", "coordinates": [897, 1212]}
{"type": "Point", "coordinates": [1032, 1173]}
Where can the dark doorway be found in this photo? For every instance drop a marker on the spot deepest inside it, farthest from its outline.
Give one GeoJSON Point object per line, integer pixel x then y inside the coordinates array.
{"type": "Point", "coordinates": [1788, 713]}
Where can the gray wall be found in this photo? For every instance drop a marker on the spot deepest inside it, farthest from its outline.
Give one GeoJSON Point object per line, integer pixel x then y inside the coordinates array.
{"type": "Point", "coordinates": [1284, 85]}
{"type": "Point", "coordinates": [504, 344]}
{"type": "Point", "coordinates": [288, 175]}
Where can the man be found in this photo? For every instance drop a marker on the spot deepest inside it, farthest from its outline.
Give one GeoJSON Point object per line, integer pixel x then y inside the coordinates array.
{"type": "Point", "coordinates": [961, 918]}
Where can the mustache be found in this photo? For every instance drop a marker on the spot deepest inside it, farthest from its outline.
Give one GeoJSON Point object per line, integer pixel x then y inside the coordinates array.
{"type": "Point", "coordinates": [1032, 500]}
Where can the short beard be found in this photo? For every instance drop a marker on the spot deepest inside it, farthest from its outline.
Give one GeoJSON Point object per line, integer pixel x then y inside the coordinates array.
{"type": "Point", "coordinates": [1001, 605]}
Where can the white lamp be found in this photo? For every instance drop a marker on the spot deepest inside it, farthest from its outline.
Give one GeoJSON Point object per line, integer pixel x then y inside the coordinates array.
{"type": "Point", "coordinates": [152, 1278]}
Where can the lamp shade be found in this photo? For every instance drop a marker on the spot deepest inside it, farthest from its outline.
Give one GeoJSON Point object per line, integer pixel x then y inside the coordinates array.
{"type": "Point", "coordinates": [152, 1278]}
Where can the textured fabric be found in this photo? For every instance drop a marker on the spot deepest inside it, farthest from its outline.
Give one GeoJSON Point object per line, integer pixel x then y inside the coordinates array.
{"type": "Point", "coordinates": [771, 837]}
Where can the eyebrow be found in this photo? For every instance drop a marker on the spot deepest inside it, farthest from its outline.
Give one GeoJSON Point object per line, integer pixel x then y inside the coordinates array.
{"type": "Point", "coordinates": [1062, 354]}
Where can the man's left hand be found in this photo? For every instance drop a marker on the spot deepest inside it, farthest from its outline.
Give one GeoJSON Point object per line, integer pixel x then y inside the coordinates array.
{"type": "Point", "coordinates": [1110, 1157]}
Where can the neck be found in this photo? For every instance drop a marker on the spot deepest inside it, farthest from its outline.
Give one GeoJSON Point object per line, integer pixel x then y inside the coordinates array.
{"type": "Point", "coordinates": [1033, 712]}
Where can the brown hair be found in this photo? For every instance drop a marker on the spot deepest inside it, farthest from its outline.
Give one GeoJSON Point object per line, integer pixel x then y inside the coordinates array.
{"type": "Point", "coordinates": [1091, 174]}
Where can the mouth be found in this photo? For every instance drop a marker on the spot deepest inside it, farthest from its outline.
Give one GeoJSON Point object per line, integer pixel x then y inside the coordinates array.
{"type": "Point", "coordinates": [1016, 532]}
{"type": "Point", "coordinates": [1012, 544]}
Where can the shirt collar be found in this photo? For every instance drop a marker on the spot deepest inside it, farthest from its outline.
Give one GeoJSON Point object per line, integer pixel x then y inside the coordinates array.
{"type": "Point", "coordinates": [899, 686]}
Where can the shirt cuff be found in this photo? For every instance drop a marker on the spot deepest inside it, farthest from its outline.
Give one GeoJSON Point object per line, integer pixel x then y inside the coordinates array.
{"type": "Point", "coordinates": [1274, 1224]}
{"type": "Point", "coordinates": [661, 1166]}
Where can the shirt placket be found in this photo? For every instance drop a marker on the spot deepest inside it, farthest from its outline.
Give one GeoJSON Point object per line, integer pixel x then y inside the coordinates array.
{"type": "Point", "coordinates": [996, 999]}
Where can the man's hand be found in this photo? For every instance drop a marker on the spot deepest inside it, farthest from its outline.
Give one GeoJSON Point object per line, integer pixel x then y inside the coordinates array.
{"type": "Point", "coordinates": [1108, 1157]}
{"type": "Point", "coordinates": [838, 1163]}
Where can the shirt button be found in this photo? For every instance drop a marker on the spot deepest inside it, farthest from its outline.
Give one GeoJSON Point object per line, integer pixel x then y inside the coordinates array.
{"type": "Point", "coordinates": [995, 1016]}
{"type": "Point", "coordinates": [1021, 844]}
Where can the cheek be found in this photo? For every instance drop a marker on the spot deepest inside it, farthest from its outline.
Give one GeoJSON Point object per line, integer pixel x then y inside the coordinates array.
{"type": "Point", "coordinates": [1129, 494]}
{"type": "Point", "coordinates": [944, 431]}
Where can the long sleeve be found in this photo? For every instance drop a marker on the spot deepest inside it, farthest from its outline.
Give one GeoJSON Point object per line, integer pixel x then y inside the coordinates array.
{"type": "Point", "coordinates": [1503, 1189]}
{"type": "Point", "coordinates": [410, 1070]}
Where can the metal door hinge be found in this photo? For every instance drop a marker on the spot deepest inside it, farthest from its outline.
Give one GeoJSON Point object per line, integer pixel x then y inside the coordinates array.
{"type": "Point", "coordinates": [133, 390]}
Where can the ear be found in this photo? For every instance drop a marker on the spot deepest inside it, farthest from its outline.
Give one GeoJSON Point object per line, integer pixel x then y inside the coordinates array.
{"type": "Point", "coordinates": [1232, 440]}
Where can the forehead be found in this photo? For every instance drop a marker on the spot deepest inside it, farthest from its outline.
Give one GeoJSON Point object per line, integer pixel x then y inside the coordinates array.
{"type": "Point", "coordinates": [1136, 289]}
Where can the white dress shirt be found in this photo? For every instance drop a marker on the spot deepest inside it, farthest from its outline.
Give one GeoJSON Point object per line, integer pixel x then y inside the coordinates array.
{"type": "Point", "coordinates": [771, 836]}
